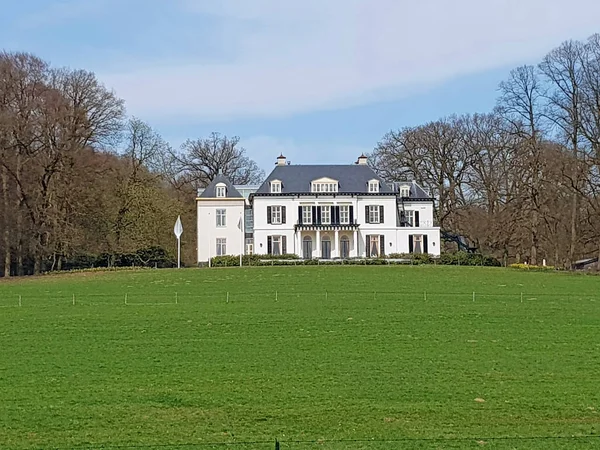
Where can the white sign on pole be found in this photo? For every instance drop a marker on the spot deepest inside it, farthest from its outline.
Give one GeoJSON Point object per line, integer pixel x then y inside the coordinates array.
{"type": "Point", "coordinates": [178, 230]}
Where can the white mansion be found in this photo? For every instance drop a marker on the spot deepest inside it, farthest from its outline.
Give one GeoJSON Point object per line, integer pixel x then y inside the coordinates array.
{"type": "Point", "coordinates": [316, 211]}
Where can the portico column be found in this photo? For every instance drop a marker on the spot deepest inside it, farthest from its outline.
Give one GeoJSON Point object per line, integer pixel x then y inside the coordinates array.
{"type": "Point", "coordinates": [335, 253]}
{"type": "Point", "coordinates": [356, 255]}
{"type": "Point", "coordinates": [318, 243]}
{"type": "Point", "coordinates": [297, 242]}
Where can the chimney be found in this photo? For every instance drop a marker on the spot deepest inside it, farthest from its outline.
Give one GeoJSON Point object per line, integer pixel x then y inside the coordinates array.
{"type": "Point", "coordinates": [362, 160]}
{"type": "Point", "coordinates": [281, 160]}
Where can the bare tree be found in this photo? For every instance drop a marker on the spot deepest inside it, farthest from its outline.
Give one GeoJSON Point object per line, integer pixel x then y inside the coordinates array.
{"type": "Point", "coordinates": [562, 69]}
{"type": "Point", "coordinates": [202, 159]}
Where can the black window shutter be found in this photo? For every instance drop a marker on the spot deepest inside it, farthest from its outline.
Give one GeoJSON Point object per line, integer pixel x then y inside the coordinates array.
{"type": "Point", "coordinates": [402, 218]}
{"type": "Point", "coordinates": [368, 246]}
{"type": "Point", "coordinates": [314, 214]}
{"type": "Point", "coordinates": [300, 215]}
{"type": "Point", "coordinates": [351, 214]}
{"type": "Point", "coordinates": [410, 243]}
{"type": "Point", "coordinates": [318, 215]}
{"type": "Point", "coordinates": [283, 245]}
{"type": "Point", "coordinates": [382, 244]}
{"type": "Point", "coordinates": [416, 224]}
{"type": "Point", "coordinates": [425, 244]}
{"type": "Point", "coordinates": [381, 214]}
{"type": "Point", "coordinates": [337, 214]}
{"type": "Point", "coordinates": [367, 214]}
{"type": "Point", "coordinates": [283, 214]}
{"type": "Point", "coordinates": [269, 245]}
{"type": "Point", "coordinates": [268, 214]}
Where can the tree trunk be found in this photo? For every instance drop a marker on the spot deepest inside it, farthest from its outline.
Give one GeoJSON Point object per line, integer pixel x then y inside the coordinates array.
{"type": "Point", "coordinates": [7, 254]}
{"type": "Point", "coordinates": [573, 242]}
{"type": "Point", "coordinates": [19, 221]}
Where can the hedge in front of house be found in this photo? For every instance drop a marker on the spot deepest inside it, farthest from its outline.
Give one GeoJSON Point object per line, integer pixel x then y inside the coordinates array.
{"type": "Point", "coordinates": [457, 258]}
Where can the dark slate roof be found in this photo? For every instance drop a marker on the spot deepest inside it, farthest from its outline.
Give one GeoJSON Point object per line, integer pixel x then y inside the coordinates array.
{"type": "Point", "coordinates": [210, 191]}
{"type": "Point", "coordinates": [297, 178]}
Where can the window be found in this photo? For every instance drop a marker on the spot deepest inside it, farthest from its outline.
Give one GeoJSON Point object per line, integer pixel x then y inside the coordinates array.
{"type": "Point", "coordinates": [324, 187]}
{"type": "Point", "coordinates": [374, 186]}
{"type": "Point", "coordinates": [307, 214]}
{"type": "Point", "coordinates": [221, 191]}
{"type": "Point", "coordinates": [326, 214]}
{"type": "Point", "coordinates": [275, 187]}
{"type": "Point", "coordinates": [404, 191]}
{"type": "Point", "coordinates": [221, 218]}
{"type": "Point", "coordinates": [344, 214]}
{"type": "Point", "coordinates": [374, 214]}
{"type": "Point", "coordinates": [410, 218]}
{"type": "Point", "coordinates": [276, 245]}
{"type": "Point", "coordinates": [221, 246]}
{"type": "Point", "coordinates": [276, 215]}
{"type": "Point", "coordinates": [249, 246]}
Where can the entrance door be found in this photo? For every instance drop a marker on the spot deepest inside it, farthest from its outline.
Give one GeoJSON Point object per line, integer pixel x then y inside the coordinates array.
{"type": "Point", "coordinates": [374, 246]}
{"type": "Point", "coordinates": [345, 247]}
{"type": "Point", "coordinates": [307, 247]}
{"type": "Point", "coordinates": [326, 248]}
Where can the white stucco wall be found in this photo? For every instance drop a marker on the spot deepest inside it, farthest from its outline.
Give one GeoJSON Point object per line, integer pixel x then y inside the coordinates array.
{"type": "Point", "coordinates": [396, 238]}
{"type": "Point", "coordinates": [208, 232]}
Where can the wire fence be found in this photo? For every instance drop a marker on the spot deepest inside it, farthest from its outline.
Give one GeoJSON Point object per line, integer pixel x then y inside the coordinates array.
{"type": "Point", "coordinates": [366, 444]}
{"type": "Point", "coordinates": [174, 299]}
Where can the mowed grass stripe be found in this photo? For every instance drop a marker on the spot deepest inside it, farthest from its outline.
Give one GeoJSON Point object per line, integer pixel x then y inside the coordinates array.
{"type": "Point", "coordinates": [351, 365]}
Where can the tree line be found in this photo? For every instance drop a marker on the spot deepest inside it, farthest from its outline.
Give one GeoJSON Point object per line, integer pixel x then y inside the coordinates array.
{"type": "Point", "coordinates": [522, 181]}
{"type": "Point", "coordinates": [81, 183]}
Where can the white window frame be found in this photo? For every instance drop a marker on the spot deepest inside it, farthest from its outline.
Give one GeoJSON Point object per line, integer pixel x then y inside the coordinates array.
{"type": "Point", "coordinates": [374, 214]}
{"type": "Point", "coordinates": [373, 186]}
{"type": "Point", "coordinates": [275, 187]}
{"type": "Point", "coordinates": [326, 213]}
{"type": "Point", "coordinates": [324, 187]}
{"type": "Point", "coordinates": [405, 191]}
{"type": "Point", "coordinates": [221, 244]}
{"type": "Point", "coordinates": [221, 191]}
{"type": "Point", "coordinates": [344, 214]}
{"type": "Point", "coordinates": [221, 217]}
{"type": "Point", "coordinates": [276, 215]}
{"type": "Point", "coordinates": [249, 246]}
{"type": "Point", "coordinates": [279, 241]}
{"type": "Point", "coordinates": [409, 216]}
{"type": "Point", "coordinates": [307, 217]}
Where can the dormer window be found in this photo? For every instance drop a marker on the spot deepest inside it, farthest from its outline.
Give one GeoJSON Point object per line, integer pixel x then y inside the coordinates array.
{"type": "Point", "coordinates": [405, 191]}
{"type": "Point", "coordinates": [276, 187]}
{"type": "Point", "coordinates": [221, 190]}
{"type": "Point", "coordinates": [324, 185]}
{"type": "Point", "coordinates": [373, 186]}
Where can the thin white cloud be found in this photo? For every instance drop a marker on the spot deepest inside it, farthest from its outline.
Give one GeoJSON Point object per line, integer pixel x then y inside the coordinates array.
{"type": "Point", "coordinates": [298, 56]}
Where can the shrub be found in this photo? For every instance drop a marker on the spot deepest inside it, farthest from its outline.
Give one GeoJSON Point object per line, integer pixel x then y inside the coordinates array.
{"type": "Point", "coordinates": [531, 267]}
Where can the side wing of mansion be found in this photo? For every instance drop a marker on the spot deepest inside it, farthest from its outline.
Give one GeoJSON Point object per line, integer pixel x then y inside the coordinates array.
{"type": "Point", "coordinates": [316, 211]}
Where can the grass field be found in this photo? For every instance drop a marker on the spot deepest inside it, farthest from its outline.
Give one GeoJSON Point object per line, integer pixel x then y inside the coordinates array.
{"type": "Point", "coordinates": [377, 357]}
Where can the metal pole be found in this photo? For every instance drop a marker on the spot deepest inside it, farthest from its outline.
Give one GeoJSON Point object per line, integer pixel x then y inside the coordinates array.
{"type": "Point", "coordinates": [178, 252]}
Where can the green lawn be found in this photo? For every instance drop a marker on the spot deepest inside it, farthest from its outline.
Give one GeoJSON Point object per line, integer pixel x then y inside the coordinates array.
{"type": "Point", "coordinates": [301, 354]}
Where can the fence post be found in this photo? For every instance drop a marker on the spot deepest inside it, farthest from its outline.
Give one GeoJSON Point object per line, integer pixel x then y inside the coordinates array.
{"type": "Point", "coordinates": [473, 295]}
{"type": "Point", "coordinates": [276, 444]}
{"type": "Point", "coordinates": [73, 299]}
{"type": "Point", "coordinates": [19, 300]}
{"type": "Point", "coordinates": [521, 297]}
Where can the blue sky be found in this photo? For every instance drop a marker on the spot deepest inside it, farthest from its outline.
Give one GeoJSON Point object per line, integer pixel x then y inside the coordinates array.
{"type": "Point", "coordinates": [319, 80]}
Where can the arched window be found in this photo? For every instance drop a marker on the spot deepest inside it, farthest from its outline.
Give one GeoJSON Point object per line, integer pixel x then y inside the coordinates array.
{"type": "Point", "coordinates": [344, 246]}
{"type": "Point", "coordinates": [307, 252]}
